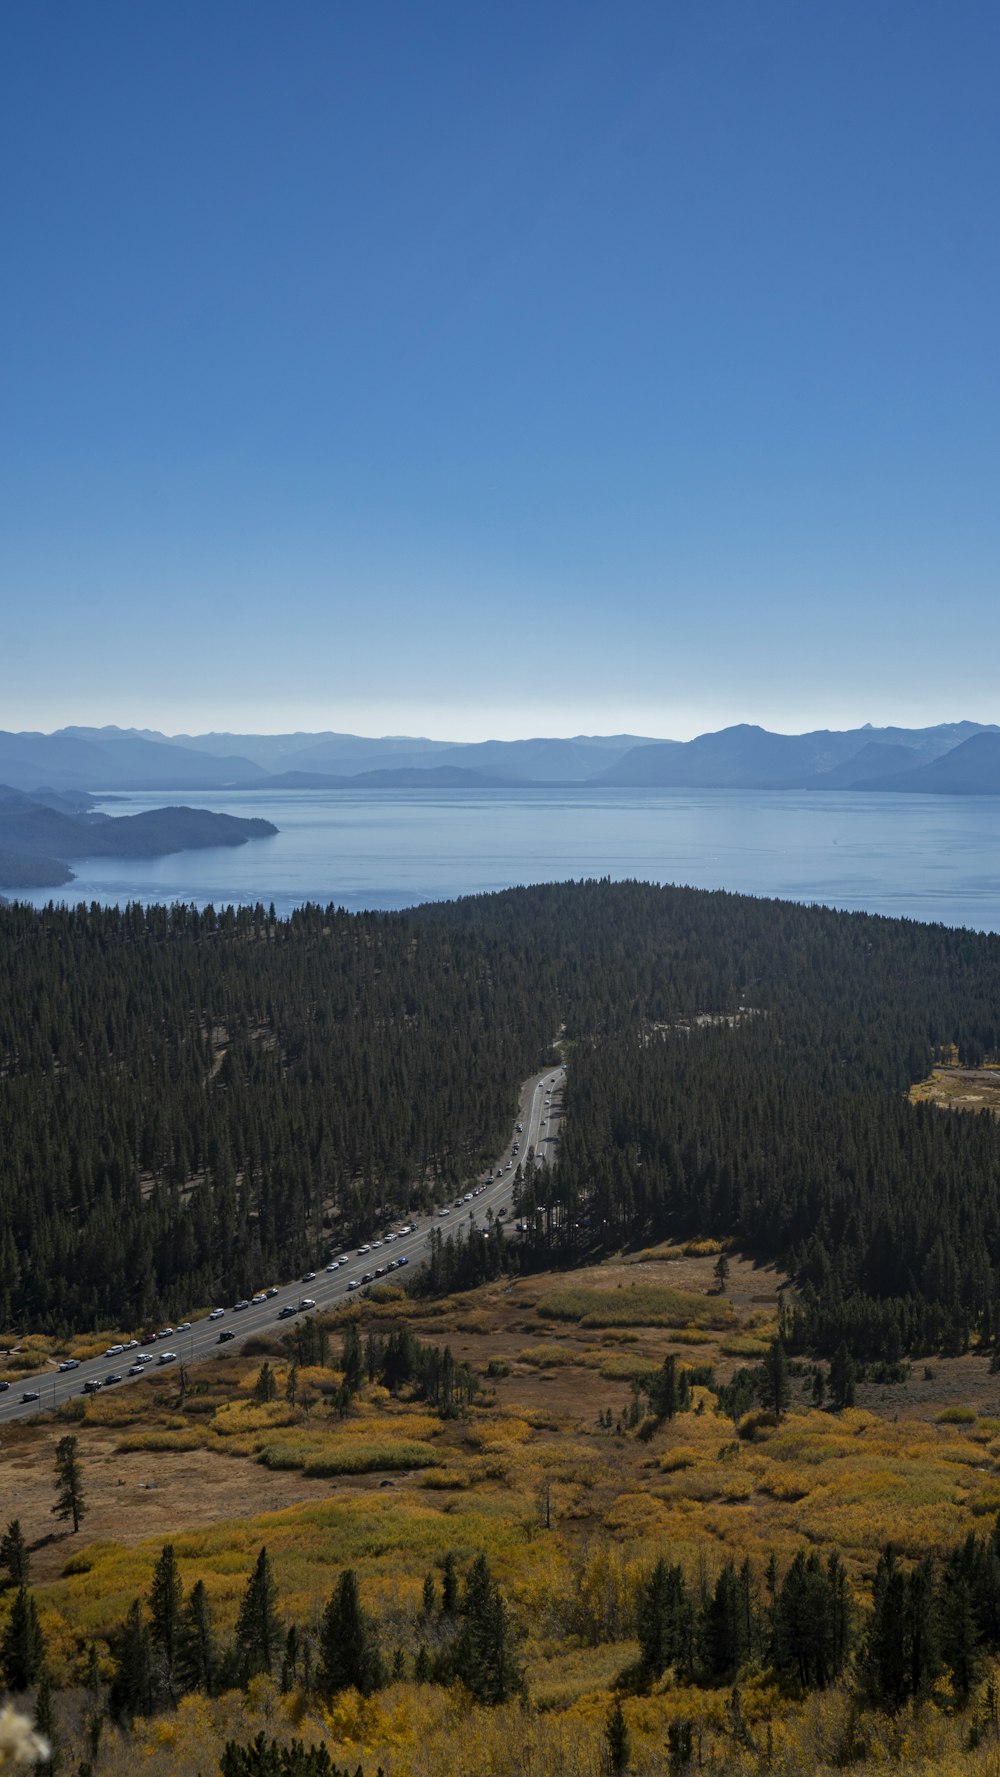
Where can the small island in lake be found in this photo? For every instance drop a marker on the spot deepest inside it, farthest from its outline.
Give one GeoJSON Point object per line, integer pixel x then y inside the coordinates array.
{"type": "Point", "coordinates": [41, 832]}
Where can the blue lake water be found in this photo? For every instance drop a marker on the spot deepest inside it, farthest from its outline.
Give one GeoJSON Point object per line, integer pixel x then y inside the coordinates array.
{"type": "Point", "coordinates": [924, 857]}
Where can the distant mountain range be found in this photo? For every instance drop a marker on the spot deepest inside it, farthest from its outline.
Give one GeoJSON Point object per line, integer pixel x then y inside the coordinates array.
{"type": "Point", "coordinates": [39, 834]}
{"type": "Point", "coordinates": [954, 759]}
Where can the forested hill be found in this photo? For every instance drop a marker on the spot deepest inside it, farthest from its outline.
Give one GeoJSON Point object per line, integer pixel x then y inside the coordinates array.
{"type": "Point", "coordinates": [193, 1102]}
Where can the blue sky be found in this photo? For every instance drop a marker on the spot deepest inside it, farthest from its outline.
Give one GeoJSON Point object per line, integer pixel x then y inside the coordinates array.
{"type": "Point", "coordinates": [496, 369]}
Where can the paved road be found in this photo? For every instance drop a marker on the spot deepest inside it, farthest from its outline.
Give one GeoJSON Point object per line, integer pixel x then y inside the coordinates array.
{"type": "Point", "coordinates": [541, 1111]}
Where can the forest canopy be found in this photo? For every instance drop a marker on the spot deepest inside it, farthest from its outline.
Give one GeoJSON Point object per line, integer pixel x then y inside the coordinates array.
{"type": "Point", "coordinates": [191, 1100]}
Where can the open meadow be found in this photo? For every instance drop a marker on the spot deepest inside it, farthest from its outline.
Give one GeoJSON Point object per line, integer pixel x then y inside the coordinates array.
{"type": "Point", "coordinates": [556, 1470]}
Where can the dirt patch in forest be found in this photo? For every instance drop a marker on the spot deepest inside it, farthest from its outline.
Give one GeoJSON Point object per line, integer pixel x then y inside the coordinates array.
{"type": "Point", "coordinates": [131, 1496]}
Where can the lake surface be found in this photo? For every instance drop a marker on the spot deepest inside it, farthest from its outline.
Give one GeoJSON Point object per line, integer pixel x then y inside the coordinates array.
{"type": "Point", "coordinates": [925, 857]}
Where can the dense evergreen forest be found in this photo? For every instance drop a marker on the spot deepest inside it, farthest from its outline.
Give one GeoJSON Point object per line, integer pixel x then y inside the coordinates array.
{"type": "Point", "coordinates": [192, 1100]}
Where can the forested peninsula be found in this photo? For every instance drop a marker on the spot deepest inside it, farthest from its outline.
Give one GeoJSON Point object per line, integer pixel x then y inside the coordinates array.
{"type": "Point", "coordinates": [194, 1099]}
{"type": "Point", "coordinates": [39, 833]}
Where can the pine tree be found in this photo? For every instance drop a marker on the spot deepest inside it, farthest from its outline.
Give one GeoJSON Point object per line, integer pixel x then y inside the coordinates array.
{"type": "Point", "coordinates": [884, 1662]}
{"type": "Point", "coordinates": [195, 1661]}
{"type": "Point", "coordinates": [265, 1388]}
{"type": "Point", "coordinates": [775, 1379]}
{"type": "Point", "coordinates": [349, 1650]}
{"type": "Point", "coordinates": [45, 1720]}
{"type": "Point", "coordinates": [842, 1378]}
{"type": "Point", "coordinates": [485, 1653]}
{"type": "Point", "coordinates": [258, 1631]}
{"type": "Point", "coordinates": [165, 1599]}
{"type": "Point", "coordinates": [69, 1483]}
{"type": "Point", "coordinates": [132, 1689]}
{"type": "Point", "coordinates": [720, 1271]}
{"type": "Point", "coordinates": [449, 1586]}
{"type": "Point", "coordinates": [656, 1621]}
{"type": "Point", "coordinates": [617, 1740]}
{"type": "Point", "coordinates": [22, 1646]}
{"type": "Point", "coordinates": [352, 1360]}
{"type": "Point", "coordinates": [14, 1554]}
{"type": "Point", "coordinates": [429, 1598]}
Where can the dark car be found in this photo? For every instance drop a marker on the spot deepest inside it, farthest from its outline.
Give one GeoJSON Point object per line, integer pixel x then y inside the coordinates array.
{"type": "Point", "coordinates": [308, 1276]}
{"type": "Point", "coordinates": [287, 1311]}
{"type": "Point", "coordinates": [229, 1334]}
{"type": "Point", "coordinates": [366, 1277]}
{"type": "Point", "coordinates": [114, 1377]}
{"type": "Point", "coordinates": [31, 1394]}
{"type": "Point", "coordinates": [4, 1387]}
{"type": "Point", "coordinates": [92, 1386]}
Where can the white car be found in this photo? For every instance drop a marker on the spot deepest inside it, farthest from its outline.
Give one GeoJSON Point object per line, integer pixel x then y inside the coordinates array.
{"type": "Point", "coordinates": [70, 1363]}
{"type": "Point", "coordinates": [363, 1249]}
{"type": "Point", "coordinates": [334, 1265]}
{"type": "Point", "coordinates": [352, 1283]}
{"type": "Point", "coordinates": [444, 1212]}
{"type": "Point", "coordinates": [389, 1237]}
{"type": "Point", "coordinates": [137, 1369]}
{"type": "Point", "coordinates": [306, 1302]}
{"type": "Point", "coordinates": [144, 1358]}
{"type": "Point", "coordinates": [183, 1326]}
{"type": "Point", "coordinates": [167, 1357]}
{"type": "Point", "coordinates": [217, 1314]}
{"type": "Point", "coordinates": [114, 1350]}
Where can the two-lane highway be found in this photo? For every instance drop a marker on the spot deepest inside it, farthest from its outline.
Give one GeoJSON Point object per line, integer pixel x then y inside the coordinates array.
{"type": "Point", "coordinates": [539, 1113]}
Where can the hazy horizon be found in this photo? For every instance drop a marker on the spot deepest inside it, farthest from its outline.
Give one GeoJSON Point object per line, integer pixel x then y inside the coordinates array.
{"type": "Point", "coordinates": [296, 727]}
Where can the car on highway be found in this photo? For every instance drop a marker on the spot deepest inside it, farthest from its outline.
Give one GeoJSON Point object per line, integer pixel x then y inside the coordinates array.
{"type": "Point", "coordinates": [389, 1237]}
{"type": "Point", "coordinates": [228, 1334]}
{"type": "Point", "coordinates": [165, 1333]}
{"type": "Point", "coordinates": [363, 1249]}
{"type": "Point", "coordinates": [237, 1306]}
{"type": "Point", "coordinates": [306, 1302]}
{"type": "Point", "coordinates": [444, 1212]}
{"type": "Point", "coordinates": [286, 1312]}
{"type": "Point", "coordinates": [403, 1259]}
{"type": "Point", "coordinates": [4, 1387]}
{"type": "Point", "coordinates": [217, 1314]}
{"type": "Point", "coordinates": [352, 1284]}
{"type": "Point", "coordinates": [144, 1358]}
{"type": "Point", "coordinates": [148, 1339]}
{"type": "Point", "coordinates": [334, 1265]}
{"type": "Point", "coordinates": [167, 1357]}
{"type": "Point", "coordinates": [69, 1363]}
{"type": "Point", "coordinates": [31, 1394]}
{"type": "Point", "coordinates": [183, 1326]}
{"type": "Point", "coordinates": [259, 1297]}
{"type": "Point", "coordinates": [367, 1277]}
{"type": "Point", "coordinates": [137, 1370]}
{"type": "Point", "coordinates": [114, 1350]}
{"type": "Point", "coordinates": [92, 1386]}
{"type": "Point", "coordinates": [115, 1376]}
{"type": "Point", "coordinates": [308, 1277]}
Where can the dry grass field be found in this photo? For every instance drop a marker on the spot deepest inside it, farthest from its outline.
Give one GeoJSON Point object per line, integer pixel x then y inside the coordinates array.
{"type": "Point", "coordinates": [392, 1488]}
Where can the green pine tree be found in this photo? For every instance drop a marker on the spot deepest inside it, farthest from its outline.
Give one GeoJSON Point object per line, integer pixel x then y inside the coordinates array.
{"type": "Point", "coordinates": [22, 1646]}
{"type": "Point", "coordinates": [258, 1631]}
{"type": "Point", "coordinates": [69, 1483]}
{"type": "Point", "coordinates": [349, 1650]}
{"type": "Point", "coordinates": [14, 1554]}
{"type": "Point", "coordinates": [196, 1658]}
